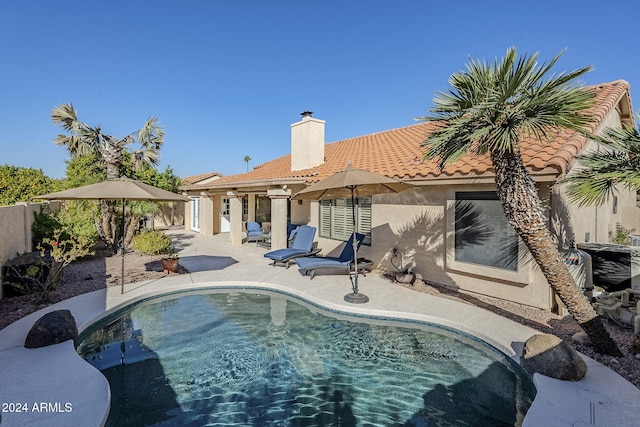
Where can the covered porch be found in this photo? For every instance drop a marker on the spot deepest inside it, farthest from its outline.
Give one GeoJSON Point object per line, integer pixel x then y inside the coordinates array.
{"type": "Point", "coordinates": [222, 209]}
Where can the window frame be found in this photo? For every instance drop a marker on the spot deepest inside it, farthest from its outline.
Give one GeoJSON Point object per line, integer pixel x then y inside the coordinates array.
{"type": "Point", "coordinates": [335, 221]}
{"type": "Point", "coordinates": [520, 275]}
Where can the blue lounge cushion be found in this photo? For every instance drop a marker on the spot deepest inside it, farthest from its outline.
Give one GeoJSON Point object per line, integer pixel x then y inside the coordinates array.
{"type": "Point", "coordinates": [320, 262]}
{"type": "Point", "coordinates": [342, 261]}
{"type": "Point", "coordinates": [281, 255]}
{"type": "Point", "coordinates": [302, 246]}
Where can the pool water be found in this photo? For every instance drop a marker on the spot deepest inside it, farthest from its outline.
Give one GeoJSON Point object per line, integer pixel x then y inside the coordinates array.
{"type": "Point", "coordinates": [243, 358]}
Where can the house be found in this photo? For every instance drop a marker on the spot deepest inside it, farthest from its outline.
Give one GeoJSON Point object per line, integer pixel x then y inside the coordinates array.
{"type": "Point", "coordinates": [450, 229]}
{"type": "Point", "coordinates": [201, 180]}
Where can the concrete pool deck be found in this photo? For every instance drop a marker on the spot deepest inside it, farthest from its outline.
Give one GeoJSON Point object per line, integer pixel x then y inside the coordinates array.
{"type": "Point", "coordinates": [53, 386]}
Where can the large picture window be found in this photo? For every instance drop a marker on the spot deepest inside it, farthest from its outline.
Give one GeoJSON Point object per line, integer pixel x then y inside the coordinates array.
{"type": "Point", "coordinates": [482, 233]}
{"type": "Point", "coordinates": [336, 221]}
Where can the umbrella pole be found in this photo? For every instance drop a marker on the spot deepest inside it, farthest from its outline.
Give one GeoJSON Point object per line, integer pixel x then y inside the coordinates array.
{"type": "Point", "coordinates": [355, 296]}
{"type": "Point", "coordinates": [122, 251]}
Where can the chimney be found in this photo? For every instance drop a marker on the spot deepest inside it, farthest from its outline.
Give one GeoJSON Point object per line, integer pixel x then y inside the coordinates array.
{"type": "Point", "coordinates": [307, 142]}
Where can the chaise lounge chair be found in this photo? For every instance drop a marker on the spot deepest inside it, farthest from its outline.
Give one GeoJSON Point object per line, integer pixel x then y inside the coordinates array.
{"type": "Point", "coordinates": [331, 265]}
{"type": "Point", "coordinates": [302, 247]}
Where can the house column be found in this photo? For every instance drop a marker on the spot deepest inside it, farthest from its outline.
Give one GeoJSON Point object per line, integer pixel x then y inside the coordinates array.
{"type": "Point", "coordinates": [235, 217]}
{"type": "Point", "coordinates": [251, 206]}
{"type": "Point", "coordinates": [279, 202]}
{"type": "Point", "coordinates": [188, 219]}
{"type": "Point", "coordinates": [314, 218]}
{"type": "Point", "coordinates": [206, 215]}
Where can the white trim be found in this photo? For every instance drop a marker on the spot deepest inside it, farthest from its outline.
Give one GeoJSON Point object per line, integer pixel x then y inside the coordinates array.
{"type": "Point", "coordinates": [195, 213]}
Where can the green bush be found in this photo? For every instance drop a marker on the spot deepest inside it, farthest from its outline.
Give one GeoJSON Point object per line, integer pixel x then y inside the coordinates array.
{"type": "Point", "coordinates": [43, 226]}
{"type": "Point", "coordinates": [77, 218]}
{"type": "Point", "coordinates": [152, 242]}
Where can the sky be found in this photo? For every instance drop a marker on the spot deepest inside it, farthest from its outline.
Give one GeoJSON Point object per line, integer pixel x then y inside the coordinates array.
{"type": "Point", "coordinates": [227, 78]}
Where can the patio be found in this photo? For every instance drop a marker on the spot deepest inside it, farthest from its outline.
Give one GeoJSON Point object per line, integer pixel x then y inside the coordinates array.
{"type": "Point", "coordinates": [55, 375]}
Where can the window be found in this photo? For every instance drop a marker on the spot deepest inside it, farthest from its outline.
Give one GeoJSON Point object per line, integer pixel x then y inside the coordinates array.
{"type": "Point", "coordinates": [245, 208]}
{"type": "Point", "coordinates": [263, 209]}
{"type": "Point", "coordinates": [336, 220]}
{"type": "Point", "coordinates": [482, 233]}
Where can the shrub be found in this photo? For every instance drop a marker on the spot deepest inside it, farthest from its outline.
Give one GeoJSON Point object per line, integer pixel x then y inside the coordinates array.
{"type": "Point", "coordinates": [78, 219]}
{"type": "Point", "coordinates": [43, 226]}
{"type": "Point", "coordinates": [152, 242]}
{"type": "Point", "coordinates": [40, 273]}
{"type": "Point", "coordinates": [622, 236]}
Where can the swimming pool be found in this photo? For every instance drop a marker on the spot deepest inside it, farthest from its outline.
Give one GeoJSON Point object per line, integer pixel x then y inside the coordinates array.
{"type": "Point", "coordinates": [262, 358]}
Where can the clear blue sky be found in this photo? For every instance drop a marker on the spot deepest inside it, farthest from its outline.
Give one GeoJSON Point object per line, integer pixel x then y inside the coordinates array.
{"type": "Point", "coordinates": [226, 78]}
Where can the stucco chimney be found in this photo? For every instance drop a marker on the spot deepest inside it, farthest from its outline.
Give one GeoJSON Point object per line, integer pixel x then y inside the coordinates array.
{"type": "Point", "coordinates": [307, 142]}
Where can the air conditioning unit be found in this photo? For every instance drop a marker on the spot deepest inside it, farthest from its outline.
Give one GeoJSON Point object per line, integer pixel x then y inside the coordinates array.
{"type": "Point", "coordinates": [635, 240]}
{"type": "Point", "coordinates": [615, 267]}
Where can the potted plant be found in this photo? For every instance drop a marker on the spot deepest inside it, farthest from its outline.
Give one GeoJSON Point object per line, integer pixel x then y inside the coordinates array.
{"type": "Point", "coordinates": [171, 261]}
{"type": "Point", "coordinates": [154, 242]}
{"type": "Point", "coordinates": [403, 275]}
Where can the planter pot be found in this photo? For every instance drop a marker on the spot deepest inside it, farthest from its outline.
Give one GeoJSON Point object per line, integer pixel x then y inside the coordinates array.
{"type": "Point", "coordinates": [405, 278]}
{"type": "Point", "coordinates": [170, 265]}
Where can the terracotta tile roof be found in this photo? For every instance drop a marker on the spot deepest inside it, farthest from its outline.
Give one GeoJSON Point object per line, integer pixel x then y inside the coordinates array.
{"type": "Point", "coordinates": [194, 179]}
{"type": "Point", "coordinates": [398, 152]}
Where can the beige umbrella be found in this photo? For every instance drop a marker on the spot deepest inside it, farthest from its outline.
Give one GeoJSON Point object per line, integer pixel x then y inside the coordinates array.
{"type": "Point", "coordinates": [352, 183]}
{"type": "Point", "coordinates": [117, 189]}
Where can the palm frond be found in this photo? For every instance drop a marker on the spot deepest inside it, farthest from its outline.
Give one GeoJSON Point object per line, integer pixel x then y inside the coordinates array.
{"type": "Point", "coordinates": [151, 135]}
{"type": "Point", "coordinates": [146, 157]}
{"type": "Point", "coordinates": [616, 163]}
{"type": "Point", "coordinates": [490, 107]}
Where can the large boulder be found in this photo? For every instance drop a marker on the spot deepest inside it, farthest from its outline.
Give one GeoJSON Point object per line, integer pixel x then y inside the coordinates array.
{"type": "Point", "coordinates": [52, 328]}
{"type": "Point", "coordinates": [548, 355]}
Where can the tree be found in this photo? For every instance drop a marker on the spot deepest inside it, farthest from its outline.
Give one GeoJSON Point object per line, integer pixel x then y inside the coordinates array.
{"type": "Point", "coordinates": [20, 184]}
{"type": "Point", "coordinates": [84, 170]}
{"type": "Point", "coordinates": [617, 163]}
{"type": "Point", "coordinates": [247, 159]}
{"type": "Point", "coordinates": [82, 139]}
{"type": "Point", "coordinates": [489, 109]}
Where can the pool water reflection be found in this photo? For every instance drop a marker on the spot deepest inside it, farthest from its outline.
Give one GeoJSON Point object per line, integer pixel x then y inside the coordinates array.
{"type": "Point", "coordinates": [261, 358]}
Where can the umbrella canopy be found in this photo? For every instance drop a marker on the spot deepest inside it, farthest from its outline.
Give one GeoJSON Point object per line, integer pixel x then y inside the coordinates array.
{"type": "Point", "coordinates": [117, 189]}
{"type": "Point", "coordinates": [352, 183]}
{"type": "Point", "coordinates": [360, 182]}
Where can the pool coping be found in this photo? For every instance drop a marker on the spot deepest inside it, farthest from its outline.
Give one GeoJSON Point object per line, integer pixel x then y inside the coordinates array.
{"type": "Point", "coordinates": [60, 376]}
{"type": "Point", "coordinates": [57, 375]}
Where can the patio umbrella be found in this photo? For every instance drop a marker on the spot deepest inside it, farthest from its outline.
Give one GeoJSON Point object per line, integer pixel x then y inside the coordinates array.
{"type": "Point", "coordinates": [352, 183]}
{"type": "Point", "coordinates": [117, 189]}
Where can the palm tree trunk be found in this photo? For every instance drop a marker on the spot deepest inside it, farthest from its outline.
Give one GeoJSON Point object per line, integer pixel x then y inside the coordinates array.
{"type": "Point", "coordinates": [521, 204]}
{"type": "Point", "coordinates": [131, 226]}
{"type": "Point", "coordinates": [109, 230]}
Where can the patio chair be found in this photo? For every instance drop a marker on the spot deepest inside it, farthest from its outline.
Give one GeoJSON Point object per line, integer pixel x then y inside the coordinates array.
{"type": "Point", "coordinates": [302, 247]}
{"type": "Point", "coordinates": [254, 232]}
{"type": "Point", "coordinates": [331, 265]}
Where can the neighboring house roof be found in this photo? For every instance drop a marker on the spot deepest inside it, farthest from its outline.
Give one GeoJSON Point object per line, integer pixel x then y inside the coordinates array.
{"type": "Point", "coordinates": [399, 152]}
{"type": "Point", "coordinates": [203, 178]}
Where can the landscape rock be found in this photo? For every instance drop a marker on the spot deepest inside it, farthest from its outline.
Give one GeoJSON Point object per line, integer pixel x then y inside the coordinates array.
{"type": "Point", "coordinates": [52, 328]}
{"type": "Point", "coordinates": [581, 338]}
{"type": "Point", "coordinates": [548, 355]}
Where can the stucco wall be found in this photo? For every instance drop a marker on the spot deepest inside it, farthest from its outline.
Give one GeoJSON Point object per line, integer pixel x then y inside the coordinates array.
{"type": "Point", "coordinates": [170, 214]}
{"type": "Point", "coordinates": [419, 224]}
{"type": "Point", "coordinates": [15, 228]}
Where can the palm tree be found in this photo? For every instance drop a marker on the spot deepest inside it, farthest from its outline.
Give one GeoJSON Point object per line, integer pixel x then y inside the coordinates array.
{"type": "Point", "coordinates": [247, 159]}
{"type": "Point", "coordinates": [618, 163]}
{"type": "Point", "coordinates": [82, 139]}
{"type": "Point", "coordinates": [490, 108]}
